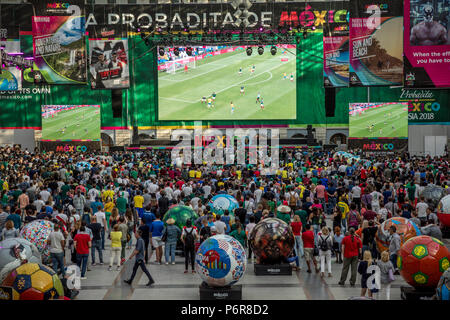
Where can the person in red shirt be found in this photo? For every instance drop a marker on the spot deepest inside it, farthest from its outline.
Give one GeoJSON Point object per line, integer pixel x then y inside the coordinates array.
{"type": "Point", "coordinates": [308, 245]}
{"type": "Point", "coordinates": [296, 226]}
{"type": "Point", "coordinates": [369, 214]}
{"type": "Point", "coordinates": [82, 242]}
{"type": "Point", "coordinates": [363, 174]}
{"type": "Point", "coordinates": [351, 247]}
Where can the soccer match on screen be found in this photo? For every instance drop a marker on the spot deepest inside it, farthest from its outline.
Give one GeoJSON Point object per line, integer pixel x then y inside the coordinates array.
{"type": "Point", "coordinates": [378, 120]}
{"type": "Point", "coordinates": [223, 82]}
{"type": "Point", "coordinates": [71, 122]}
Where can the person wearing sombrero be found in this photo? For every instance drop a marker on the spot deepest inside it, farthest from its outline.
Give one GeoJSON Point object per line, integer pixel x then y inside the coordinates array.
{"type": "Point", "coordinates": [283, 213]}
{"type": "Point", "coordinates": [171, 234]}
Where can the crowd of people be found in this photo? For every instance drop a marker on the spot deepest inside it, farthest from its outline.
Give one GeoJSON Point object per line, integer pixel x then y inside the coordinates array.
{"type": "Point", "coordinates": [334, 206]}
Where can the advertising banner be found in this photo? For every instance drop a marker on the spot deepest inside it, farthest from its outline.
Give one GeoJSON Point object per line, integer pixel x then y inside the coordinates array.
{"type": "Point", "coordinates": [9, 39]}
{"type": "Point", "coordinates": [335, 55]}
{"type": "Point", "coordinates": [59, 49]}
{"type": "Point", "coordinates": [378, 145]}
{"type": "Point", "coordinates": [376, 43]}
{"type": "Point", "coordinates": [427, 106]}
{"type": "Point", "coordinates": [232, 15]}
{"type": "Point", "coordinates": [10, 79]}
{"type": "Point", "coordinates": [427, 44]}
{"type": "Point", "coordinates": [108, 52]}
{"type": "Point", "coordinates": [70, 146]}
{"type": "Point", "coordinates": [59, 8]}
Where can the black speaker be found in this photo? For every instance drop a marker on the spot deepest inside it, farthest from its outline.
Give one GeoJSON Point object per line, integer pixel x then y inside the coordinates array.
{"type": "Point", "coordinates": [330, 101]}
{"type": "Point", "coordinates": [116, 99]}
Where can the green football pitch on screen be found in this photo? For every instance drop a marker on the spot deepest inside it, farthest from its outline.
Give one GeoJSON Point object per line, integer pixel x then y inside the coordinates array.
{"type": "Point", "coordinates": [236, 79]}
{"type": "Point", "coordinates": [71, 122]}
{"type": "Point", "coordinates": [378, 120]}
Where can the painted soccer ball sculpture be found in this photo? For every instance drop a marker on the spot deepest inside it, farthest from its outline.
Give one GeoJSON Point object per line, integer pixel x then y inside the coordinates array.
{"type": "Point", "coordinates": [272, 241]}
{"type": "Point", "coordinates": [422, 260]}
{"type": "Point", "coordinates": [34, 281]}
{"type": "Point", "coordinates": [13, 252]}
{"type": "Point", "coordinates": [37, 232]}
{"type": "Point", "coordinates": [221, 261]}
{"type": "Point", "coordinates": [443, 211]}
{"type": "Point", "coordinates": [222, 202]}
{"type": "Point", "coordinates": [443, 288]}
{"type": "Point", "coordinates": [406, 229]}
{"type": "Point", "coordinates": [181, 214]}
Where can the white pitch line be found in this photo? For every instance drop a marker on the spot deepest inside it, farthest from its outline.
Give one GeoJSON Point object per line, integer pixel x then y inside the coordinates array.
{"type": "Point", "coordinates": [221, 67]}
{"type": "Point", "coordinates": [180, 100]}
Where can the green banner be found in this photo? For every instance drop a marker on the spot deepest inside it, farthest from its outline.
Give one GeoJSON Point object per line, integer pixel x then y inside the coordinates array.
{"type": "Point", "coordinates": [22, 109]}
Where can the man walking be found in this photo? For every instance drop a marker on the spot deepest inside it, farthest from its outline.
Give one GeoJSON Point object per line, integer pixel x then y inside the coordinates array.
{"type": "Point", "coordinates": [82, 243]}
{"type": "Point", "coordinates": [96, 229]}
{"type": "Point", "coordinates": [79, 201]}
{"type": "Point", "coordinates": [394, 246]}
{"type": "Point", "coordinates": [351, 247]}
{"type": "Point", "coordinates": [57, 242]}
{"type": "Point", "coordinates": [139, 252]}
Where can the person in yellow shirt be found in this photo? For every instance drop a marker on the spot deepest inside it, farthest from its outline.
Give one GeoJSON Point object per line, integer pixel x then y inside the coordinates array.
{"type": "Point", "coordinates": [116, 247]}
{"type": "Point", "coordinates": [239, 173]}
{"type": "Point", "coordinates": [284, 174]}
{"type": "Point", "coordinates": [138, 203]}
{"type": "Point", "coordinates": [198, 174]}
{"type": "Point", "coordinates": [109, 193]}
{"type": "Point", "coordinates": [192, 173]}
{"type": "Point", "coordinates": [302, 188]}
{"type": "Point", "coordinates": [108, 206]}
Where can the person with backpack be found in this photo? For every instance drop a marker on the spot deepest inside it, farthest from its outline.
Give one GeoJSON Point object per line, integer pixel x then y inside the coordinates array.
{"type": "Point", "coordinates": [293, 199]}
{"type": "Point", "coordinates": [325, 242]}
{"type": "Point", "coordinates": [353, 217]}
{"type": "Point", "coordinates": [188, 237]}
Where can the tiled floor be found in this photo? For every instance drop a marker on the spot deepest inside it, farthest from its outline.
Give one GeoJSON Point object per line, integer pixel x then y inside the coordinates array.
{"type": "Point", "coordinates": [172, 283]}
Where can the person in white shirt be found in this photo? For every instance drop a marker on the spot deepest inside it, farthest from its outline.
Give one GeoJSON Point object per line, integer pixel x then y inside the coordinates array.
{"type": "Point", "coordinates": [207, 190]}
{"type": "Point", "coordinates": [221, 227]}
{"type": "Point", "coordinates": [169, 192]}
{"type": "Point", "coordinates": [421, 210]}
{"type": "Point", "coordinates": [38, 203]}
{"type": "Point", "coordinates": [187, 190]}
{"type": "Point", "coordinates": [248, 231]}
{"type": "Point", "coordinates": [44, 194]}
{"type": "Point", "coordinates": [93, 193]}
{"type": "Point", "coordinates": [101, 218]}
{"type": "Point", "coordinates": [376, 197]}
{"type": "Point", "coordinates": [356, 196]}
{"type": "Point", "coordinates": [194, 202]}
{"type": "Point", "coordinates": [258, 194]}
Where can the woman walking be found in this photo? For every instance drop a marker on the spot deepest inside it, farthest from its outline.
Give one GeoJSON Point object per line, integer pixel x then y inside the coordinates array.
{"type": "Point", "coordinates": [116, 247]}
{"type": "Point", "coordinates": [325, 246]}
{"type": "Point", "coordinates": [296, 226]}
{"type": "Point", "coordinates": [363, 270]}
{"type": "Point", "coordinates": [386, 273]}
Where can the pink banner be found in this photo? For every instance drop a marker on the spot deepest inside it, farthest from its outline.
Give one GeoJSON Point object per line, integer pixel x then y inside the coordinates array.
{"type": "Point", "coordinates": [426, 44]}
